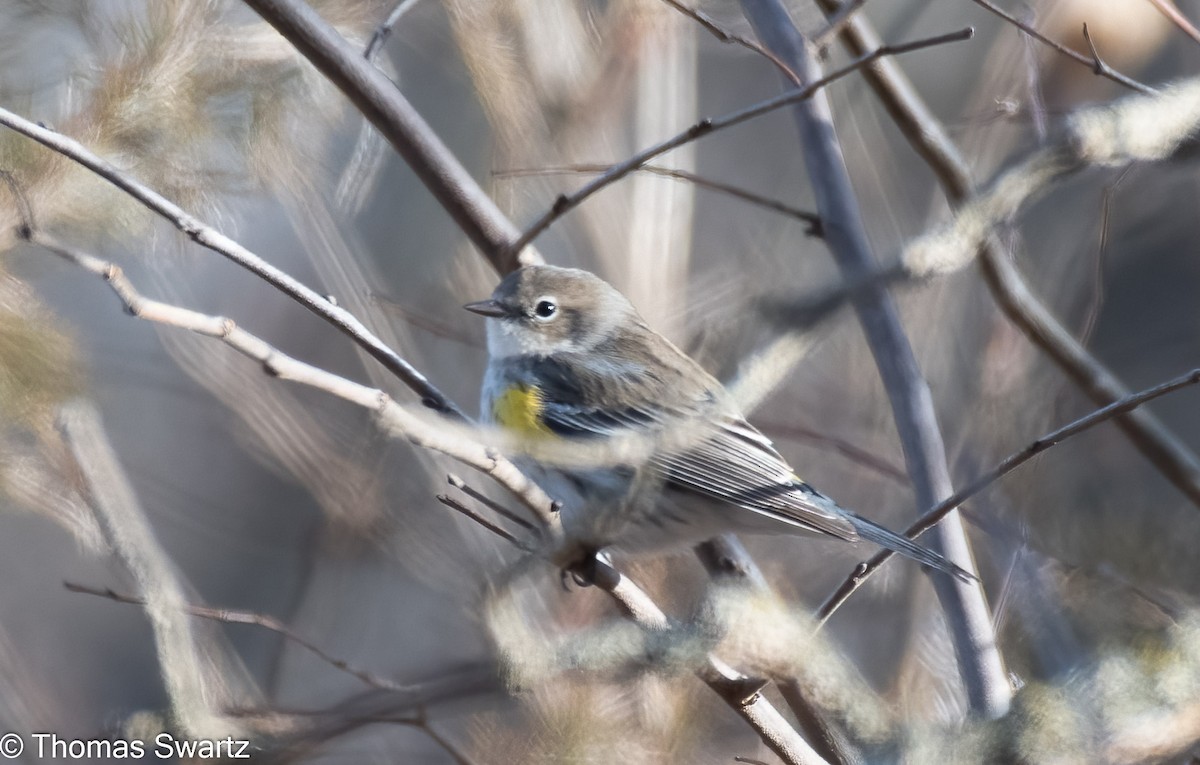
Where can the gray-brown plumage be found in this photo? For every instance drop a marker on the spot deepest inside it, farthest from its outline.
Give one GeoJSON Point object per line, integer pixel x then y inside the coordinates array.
{"type": "Point", "coordinates": [571, 358]}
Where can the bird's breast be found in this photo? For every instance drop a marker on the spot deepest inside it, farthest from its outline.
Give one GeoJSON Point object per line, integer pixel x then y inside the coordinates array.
{"type": "Point", "coordinates": [518, 409]}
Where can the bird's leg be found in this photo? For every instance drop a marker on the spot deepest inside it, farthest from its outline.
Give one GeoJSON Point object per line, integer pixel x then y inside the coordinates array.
{"type": "Point", "coordinates": [582, 570]}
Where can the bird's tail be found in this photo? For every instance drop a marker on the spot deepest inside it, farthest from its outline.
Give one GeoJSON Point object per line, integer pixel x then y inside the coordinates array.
{"type": "Point", "coordinates": [873, 532]}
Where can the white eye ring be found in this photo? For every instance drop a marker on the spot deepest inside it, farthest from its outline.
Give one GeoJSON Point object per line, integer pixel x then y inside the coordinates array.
{"type": "Point", "coordinates": [545, 309]}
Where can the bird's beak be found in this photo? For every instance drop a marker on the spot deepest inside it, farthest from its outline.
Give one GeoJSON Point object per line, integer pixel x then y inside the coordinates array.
{"type": "Point", "coordinates": [493, 309]}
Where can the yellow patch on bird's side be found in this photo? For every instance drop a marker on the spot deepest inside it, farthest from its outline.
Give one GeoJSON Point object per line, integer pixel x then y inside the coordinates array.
{"type": "Point", "coordinates": [519, 409]}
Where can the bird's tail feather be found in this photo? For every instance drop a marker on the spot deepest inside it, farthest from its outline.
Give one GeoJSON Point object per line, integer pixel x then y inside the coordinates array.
{"type": "Point", "coordinates": [873, 532]}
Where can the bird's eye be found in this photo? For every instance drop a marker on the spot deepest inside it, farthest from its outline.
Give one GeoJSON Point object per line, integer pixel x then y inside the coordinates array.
{"type": "Point", "coordinates": [545, 308]}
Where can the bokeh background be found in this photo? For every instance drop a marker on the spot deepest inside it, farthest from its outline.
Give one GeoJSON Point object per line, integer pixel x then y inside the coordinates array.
{"type": "Point", "coordinates": [280, 501]}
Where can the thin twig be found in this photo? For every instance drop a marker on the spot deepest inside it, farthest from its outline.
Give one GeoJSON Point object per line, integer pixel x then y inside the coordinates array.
{"type": "Point", "coordinates": [384, 30]}
{"type": "Point", "coordinates": [1171, 11]}
{"type": "Point", "coordinates": [210, 238]}
{"type": "Point", "coordinates": [726, 36]}
{"type": "Point", "coordinates": [929, 139]}
{"type": "Point", "coordinates": [812, 219]}
{"type": "Point", "coordinates": [488, 502]}
{"type": "Point", "coordinates": [567, 202]}
{"type": "Point", "coordinates": [269, 623]}
{"type": "Point", "coordinates": [864, 570]}
{"type": "Point", "coordinates": [1094, 62]}
{"type": "Point", "coordinates": [454, 504]}
{"type": "Point", "coordinates": [963, 602]}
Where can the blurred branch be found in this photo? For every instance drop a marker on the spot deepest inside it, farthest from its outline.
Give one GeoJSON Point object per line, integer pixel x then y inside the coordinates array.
{"type": "Point", "coordinates": [741, 693]}
{"type": "Point", "coordinates": [726, 36]}
{"type": "Point", "coordinates": [269, 623]}
{"type": "Point", "coordinates": [864, 570]}
{"type": "Point", "coordinates": [929, 139]}
{"type": "Point", "coordinates": [210, 238]}
{"type": "Point", "coordinates": [1172, 12]}
{"type": "Point", "coordinates": [384, 30]}
{"type": "Point", "coordinates": [726, 560]}
{"type": "Point", "coordinates": [369, 707]}
{"type": "Point", "coordinates": [1094, 62]}
{"type": "Point", "coordinates": [373, 94]}
{"type": "Point", "coordinates": [964, 604]}
{"type": "Point", "coordinates": [810, 218]}
{"type": "Point", "coordinates": [195, 695]}
{"type": "Point", "coordinates": [567, 202]}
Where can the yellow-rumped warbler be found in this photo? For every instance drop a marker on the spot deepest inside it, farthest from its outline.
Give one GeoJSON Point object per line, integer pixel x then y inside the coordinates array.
{"type": "Point", "coordinates": [570, 358]}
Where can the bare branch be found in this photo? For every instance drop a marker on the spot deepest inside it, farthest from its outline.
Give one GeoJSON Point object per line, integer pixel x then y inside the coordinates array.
{"type": "Point", "coordinates": [810, 218]}
{"type": "Point", "coordinates": [387, 109]}
{"type": "Point", "coordinates": [864, 570]}
{"type": "Point", "coordinates": [963, 602]}
{"type": "Point", "coordinates": [931, 141]}
{"type": "Point", "coordinates": [1094, 62]}
{"type": "Point", "coordinates": [210, 238]}
{"type": "Point", "coordinates": [565, 203]}
{"type": "Point", "coordinates": [268, 623]}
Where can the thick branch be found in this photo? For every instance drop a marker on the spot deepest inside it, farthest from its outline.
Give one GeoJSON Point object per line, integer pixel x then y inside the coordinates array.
{"type": "Point", "coordinates": [385, 107]}
{"type": "Point", "coordinates": [964, 604]}
{"type": "Point", "coordinates": [929, 139]}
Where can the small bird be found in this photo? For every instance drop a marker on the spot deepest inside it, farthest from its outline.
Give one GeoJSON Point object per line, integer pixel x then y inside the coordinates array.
{"type": "Point", "coordinates": [571, 359]}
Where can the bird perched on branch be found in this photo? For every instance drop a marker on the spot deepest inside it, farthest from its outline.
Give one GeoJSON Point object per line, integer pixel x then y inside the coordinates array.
{"type": "Point", "coordinates": [644, 450]}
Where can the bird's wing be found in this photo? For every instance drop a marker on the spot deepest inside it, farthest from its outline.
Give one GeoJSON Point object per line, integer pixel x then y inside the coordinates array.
{"type": "Point", "coordinates": [719, 455]}
{"type": "Point", "coordinates": [738, 464]}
